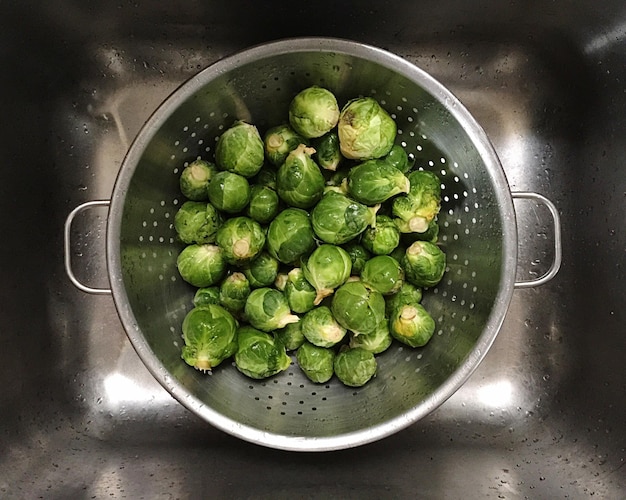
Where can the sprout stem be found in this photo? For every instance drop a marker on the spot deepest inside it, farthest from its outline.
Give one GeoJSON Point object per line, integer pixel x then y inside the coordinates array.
{"type": "Point", "coordinates": [322, 294]}
{"type": "Point", "coordinates": [418, 224]}
{"type": "Point", "coordinates": [241, 248]}
{"type": "Point", "coordinates": [288, 318]}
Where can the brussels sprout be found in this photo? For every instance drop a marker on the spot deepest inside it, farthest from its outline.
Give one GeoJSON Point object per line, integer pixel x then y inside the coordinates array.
{"type": "Point", "coordinates": [290, 235]}
{"type": "Point", "coordinates": [424, 264]}
{"type": "Point", "coordinates": [412, 325]}
{"type": "Point", "coordinates": [229, 192]}
{"type": "Point", "coordinates": [210, 335]}
{"type": "Point", "coordinates": [407, 294]}
{"type": "Point", "coordinates": [375, 181]}
{"type": "Point", "coordinates": [337, 219]}
{"type": "Point", "coordinates": [299, 181]}
{"type": "Point", "coordinates": [358, 255]}
{"type": "Point", "coordinates": [201, 265]}
{"type": "Point", "coordinates": [327, 151]}
{"type": "Point", "coordinates": [366, 130]}
{"type": "Point", "coordinates": [383, 273]}
{"type": "Point", "coordinates": [197, 222]}
{"type": "Point", "coordinates": [416, 209]}
{"type": "Point", "coordinates": [376, 342]}
{"type": "Point", "coordinates": [313, 112]}
{"type": "Point", "coordinates": [263, 205]}
{"type": "Point", "coordinates": [398, 158]}
{"type": "Point", "coordinates": [321, 329]}
{"type": "Point", "coordinates": [355, 366]}
{"type": "Point", "coordinates": [267, 310]}
{"type": "Point", "coordinates": [266, 177]}
{"type": "Point", "coordinates": [194, 180]}
{"type": "Point", "coordinates": [299, 292]}
{"type": "Point", "coordinates": [383, 238]}
{"type": "Point", "coordinates": [328, 267]}
{"type": "Point", "coordinates": [234, 292]}
{"type": "Point", "coordinates": [258, 354]}
{"type": "Point", "coordinates": [316, 362]}
{"type": "Point", "coordinates": [240, 150]}
{"type": "Point", "coordinates": [358, 308]}
{"type": "Point", "coordinates": [262, 271]}
{"type": "Point", "coordinates": [206, 295]}
{"type": "Point", "coordinates": [241, 239]}
{"type": "Point", "coordinates": [291, 336]}
{"type": "Point", "coordinates": [279, 142]}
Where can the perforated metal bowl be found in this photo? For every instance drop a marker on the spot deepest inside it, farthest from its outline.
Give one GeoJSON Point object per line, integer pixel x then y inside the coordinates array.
{"type": "Point", "coordinates": [478, 233]}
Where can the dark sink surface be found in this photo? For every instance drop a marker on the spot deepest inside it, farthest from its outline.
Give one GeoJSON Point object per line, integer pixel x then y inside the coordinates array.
{"type": "Point", "coordinates": [544, 416]}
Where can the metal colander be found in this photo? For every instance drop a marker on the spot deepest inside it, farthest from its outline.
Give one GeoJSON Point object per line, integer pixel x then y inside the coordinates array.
{"type": "Point", "coordinates": [478, 234]}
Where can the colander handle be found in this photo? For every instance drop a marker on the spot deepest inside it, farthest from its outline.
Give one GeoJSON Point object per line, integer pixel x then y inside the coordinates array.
{"type": "Point", "coordinates": [556, 263]}
{"type": "Point", "coordinates": [68, 245]}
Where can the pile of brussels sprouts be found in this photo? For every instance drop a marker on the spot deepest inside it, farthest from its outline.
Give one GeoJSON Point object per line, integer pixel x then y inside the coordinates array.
{"type": "Point", "coordinates": [318, 238]}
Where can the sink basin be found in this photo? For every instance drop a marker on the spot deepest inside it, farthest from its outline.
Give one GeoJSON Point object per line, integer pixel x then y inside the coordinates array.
{"type": "Point", "coordinates": [544, 414]}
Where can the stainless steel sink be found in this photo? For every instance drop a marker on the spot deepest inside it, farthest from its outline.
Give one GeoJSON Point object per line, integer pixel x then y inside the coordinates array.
{"type": "Point", "coordinates": [544, 416]}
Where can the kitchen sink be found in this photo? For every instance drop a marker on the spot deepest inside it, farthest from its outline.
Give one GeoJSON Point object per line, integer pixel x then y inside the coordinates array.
{"type": "Point", "coordinates": [544, 416]}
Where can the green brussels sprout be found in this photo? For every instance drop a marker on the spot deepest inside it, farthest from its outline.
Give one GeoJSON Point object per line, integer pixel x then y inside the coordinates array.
{"type": "Point", "coordinates": [210, 335]}
{"type": "Point", "coordinates": [263, 205]}
{"type": "Point", "coordinates": [412, 325]}
{"type": "Point", "coordinates": [299, 292]}
{"type": "Point", "coordinates": [194, 180]}
{"type": "Point", "coordinates": [313, 112]}
{"type": "Point", "coordinates": [262, 271]}
{"type": "Point", "coordinates": [267, 310]}
{"type": "Point", "coordinates": [321, 329]}
{"type": "Point", "coordinates": [383, 238]}
{"type": "Point", "coordinates": [258, 355]}
{"type": "Point", "coordinates": [337, 219]}
{"type": "Point", "coordinates": [355, 366]}
{"type": "Point", "coordinates": [299, 181]}
{"type": "Point", "coordinates": [366, 130]}
{"type": "Point", "coordinates": [375, 181]}
{"type": "Point", "coordinates": [291, 336]}
{"type": "Point", "coordinates": [328, 267]}
{"type": "Point", "coordinates": [416, 209]}
{"type": "Point", "coordinates": [398, 158]}
{"type": "Point", "coordinates": [376, 342]}
{"type": "Point", "coordinates": [316, 362]}
{"type": "Point", "coordinates": [201, 265]}
{"type": "Point", "coordinates": [279, 142]}
{"type": "Point", "coordinates": [383, 273]}
{"type": "Point", "coordinates": [407, 294]}
{"type": "Point", "coordinates": [424, 264]}
{"type": "Point", "coordinates": [206, 295]}
{"type": "Point", "coordinates": [197, 222]}
{"type": "Point", "coordinates": [358, 308]}
{"type": "Point", "coordinates": [240, 150]}
{"type": "Point", "coordinates": [290, 235]}
{"type": "Point", "coordinates": [241, 239]}
{"type": "Point", "coordinates": [229, 192]}
{"type": "Point", "coordinates": [358, 255]}
{"type": "Point", "coordinates": [266, 177]}
{"type": "Point", "coordinates": [327, 153]}
{"type": "Point", "coordinates": [234, 292]}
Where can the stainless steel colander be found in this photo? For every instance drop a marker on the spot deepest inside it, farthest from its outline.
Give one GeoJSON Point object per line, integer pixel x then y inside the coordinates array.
{"type": "Point", "coordinates": [478, 234]}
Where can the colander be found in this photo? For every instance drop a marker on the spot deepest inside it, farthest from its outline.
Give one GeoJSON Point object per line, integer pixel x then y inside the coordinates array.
{"type": "Point", "coordinates": [478, 234]}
